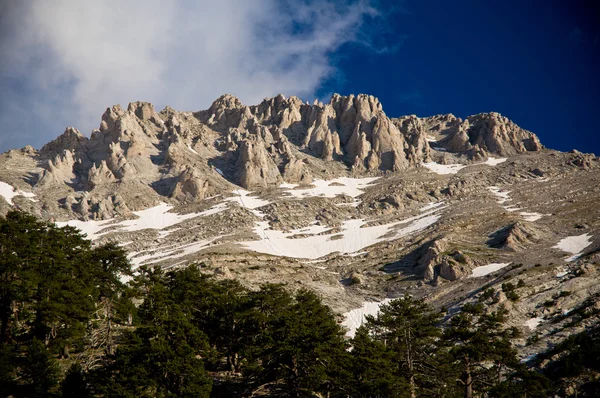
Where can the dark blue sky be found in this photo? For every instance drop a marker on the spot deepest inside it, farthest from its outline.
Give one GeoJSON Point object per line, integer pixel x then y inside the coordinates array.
{"type": "Point", "coordinates": [536, 62]}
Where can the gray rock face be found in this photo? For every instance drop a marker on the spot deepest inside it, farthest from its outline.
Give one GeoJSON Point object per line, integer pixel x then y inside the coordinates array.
{"type": "Point", "coordinates": [515, 237]}
{"type": "Point", "coordinates": [491, 133]}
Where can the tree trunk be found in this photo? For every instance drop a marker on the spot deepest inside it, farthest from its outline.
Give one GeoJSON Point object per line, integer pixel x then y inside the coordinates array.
{"type": "Point", "coordinates": [409, 361]}
{"type": "Point", "coordinates": [469, 380]}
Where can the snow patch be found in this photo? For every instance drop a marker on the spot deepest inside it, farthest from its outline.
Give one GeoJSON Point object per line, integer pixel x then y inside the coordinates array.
{"type": "Point", "coordinates": [494, 161]}
{"type": "Point", "coordinates": [8, 192]}
{"type": "Point", "coordinates": [503, 196]}
{"type": "Point", "coordinates": [487, 269]}
{"type": "Point", "coordinates": [530, 216]}
{"type": "Point", "coordinates": [192, 149]}
{"type": "Point", "coordinates": [356, 317]}
{"type": "Point", "coordinates": [533, 323]}
{"type": "Point", "coordinates": [574, 245]}
{"type": "Point", "coordinates": [562, 272]}
{"type": "Point", "coordinates": [444, 168]}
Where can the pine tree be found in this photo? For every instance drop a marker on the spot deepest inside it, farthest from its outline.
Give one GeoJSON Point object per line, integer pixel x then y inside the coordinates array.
{"type": "Point", "coordinates": [374, 371]}
{"type": "Point", "coordinates": [163, 356]}
{"type": "Point", "coordinates": [305, 347]}
{"type": "Point", "coordinates": [408, 328]}
{"type": "Point", "coordinates": [74, 384]}
{"type": "Point", "coordinates": [41, 371]}
{"type": "Point", "coordinates": [480, 344]}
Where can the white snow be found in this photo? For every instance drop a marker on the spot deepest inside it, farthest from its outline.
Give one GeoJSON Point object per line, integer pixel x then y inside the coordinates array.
{"type": "Point", "coordinates": [192, 149]}
{"type": "Point", "coordinates": [161, 254]}
{"type": "Point", "coordinates": [356, 317]}
{"type": "Point", "coordinates": [251, 203]}
{"type": "Point", "coordinates": [9, 192]}
{"type": "Point", "coordinates": [430, 138]}
{"type": "Point", "coordinates": [90, 228]}
{"type": "Point", "coordinates": [431, 206]}
{"type": "Point", "coordinates": [487, 269]}
{"type": "Point", "coordinates": [528, 358]}
{"type": "Point", "coordinates": [285, 185]}
{"type": "Point", "coordinates": [503, 196]}
{"type": "Point", "coordinates": [331, 188]}
{"type": "Point", "coordinates": [218, 170]}
{"type": "Point", "coordinates": [494, 161]}
{"type": "Point", "coordinates": [454, 168]}
{"type": "Point", "coordinates": [157, 217]}
{"type": "Point", "coordinates": [439, 148]}
{"type": "Point", "coordinates": [529, 216]}
{"type": "Point", "coordinates": [533, 322]}
{"type": "Point", "coordinates": [444, 168]}
{"type": "Point", "coordinates": [562, 272]}
{"type": "Point", "coordinates": [354, 203]}
{"type": "Point", "coordinates": [574, 245]}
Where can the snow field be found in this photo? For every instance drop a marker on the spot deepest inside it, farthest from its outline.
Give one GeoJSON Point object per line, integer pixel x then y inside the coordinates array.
{"type": "Point", "coordinates": [352, 238]}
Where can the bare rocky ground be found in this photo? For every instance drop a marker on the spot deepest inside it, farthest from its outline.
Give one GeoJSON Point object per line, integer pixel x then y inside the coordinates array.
{"type": "Point", "coordinates": [338, 198]}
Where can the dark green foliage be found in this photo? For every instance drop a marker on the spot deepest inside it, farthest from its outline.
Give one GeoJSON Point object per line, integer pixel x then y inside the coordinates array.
{"type": "Point", "coordinates": [476, 338]}
{"type": "Point", "coordinates": [523, 383]}
{"type": "Point", "coordinates": [75, 384]}
{"type": "Point", "coordinates": [302, 347]}
{"type": "Point", "coordinates": [409, 329]}
{"type": "Point", "coordinates": [488, 294]}
{"type": "Point", "coordinates": [163, 356]}
{"type": "Point", "coordinates": [40, 371]}
{"type": "Point", "coordinates": [374, 372]}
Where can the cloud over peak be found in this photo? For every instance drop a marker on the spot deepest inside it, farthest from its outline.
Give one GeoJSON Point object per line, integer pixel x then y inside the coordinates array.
{"type": "Point", "coordinates": [65, 61]}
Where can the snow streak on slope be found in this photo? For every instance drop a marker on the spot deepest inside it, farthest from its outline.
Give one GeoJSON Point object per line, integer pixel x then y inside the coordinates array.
{"type": "Point", "coordinates": [574, 245]}
{"type": "Point", "coordinates": [356, 317]}
{"type": "Point", "coordinates": [157, 217]}
{"type": "Point", "coordinates": [8, 192]}
{"type": "Point", "coordinates": [504, 196]}
{"type": "Point", "coordinates": [138, 258]}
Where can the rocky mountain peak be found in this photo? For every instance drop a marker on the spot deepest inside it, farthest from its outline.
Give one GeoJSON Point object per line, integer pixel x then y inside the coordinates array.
{"type": "Point", "coordinates": [71, 139]}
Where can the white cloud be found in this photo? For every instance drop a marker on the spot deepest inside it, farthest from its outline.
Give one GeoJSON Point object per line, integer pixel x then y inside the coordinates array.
{"type": "Point", "coordinates": [78, 57]}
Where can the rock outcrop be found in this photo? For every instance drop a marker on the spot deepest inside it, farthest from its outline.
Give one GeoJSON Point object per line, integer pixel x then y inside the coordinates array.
{"type": "Point", "coordinates": [514, 237]}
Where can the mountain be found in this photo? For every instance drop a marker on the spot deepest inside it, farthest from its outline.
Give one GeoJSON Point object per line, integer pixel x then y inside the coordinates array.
{"type": "Point", "coordinates": [336, 197]}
